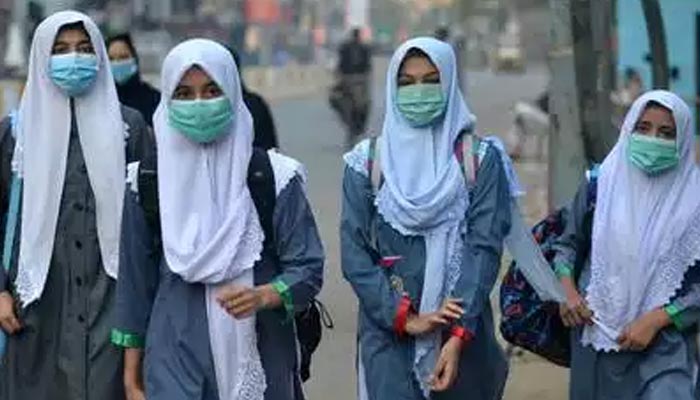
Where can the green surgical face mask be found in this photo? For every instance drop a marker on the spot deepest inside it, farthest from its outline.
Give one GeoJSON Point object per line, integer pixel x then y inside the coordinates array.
{"type": "Point", "coordinates": [652, 155]}
{"type": "Point", "coordinates": [421, 104]}
{"type": "Point", "coordinates": [202, 121]}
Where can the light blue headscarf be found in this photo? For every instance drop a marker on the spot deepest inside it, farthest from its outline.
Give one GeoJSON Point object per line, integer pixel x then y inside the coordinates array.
{"type": "Point", "coordinates": [424, 192]}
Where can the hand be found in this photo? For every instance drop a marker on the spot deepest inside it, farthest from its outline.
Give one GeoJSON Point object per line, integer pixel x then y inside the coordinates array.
{"type": "Point", "coordinates": [575, 311]}
{"type": "Point", "coordinates": [447, 365]}
{"type": "Point", "coordinates": [420, 324]}
{"type": "Point", "coordinates": [242, 302]}
{"type": "Point", "coordinates": [8, 320]}
{"type": "Point", "coordinates": [135, 393]}
{"type": "Point", "coordinates": [133, 380]}
{"type": "Point", "coordinates": [639, 334]}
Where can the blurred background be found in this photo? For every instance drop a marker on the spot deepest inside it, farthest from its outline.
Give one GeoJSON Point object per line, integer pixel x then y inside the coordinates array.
{"type": "Point", "coordinates": [553, 78]}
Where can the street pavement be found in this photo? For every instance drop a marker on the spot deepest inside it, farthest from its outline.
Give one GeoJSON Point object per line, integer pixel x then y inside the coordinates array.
{"type": "Point", "coordinates": [310, 132]}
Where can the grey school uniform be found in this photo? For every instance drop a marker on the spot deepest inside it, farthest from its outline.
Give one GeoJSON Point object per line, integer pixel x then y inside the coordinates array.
{"type": "Point", "coordinates": [63, 351]}
{"type": "Point", "coordinates": [666, 370]}
{"type": "Point", "coordinates": [387, 359]}
{"type": "Point", "coordinates": [167, 315]}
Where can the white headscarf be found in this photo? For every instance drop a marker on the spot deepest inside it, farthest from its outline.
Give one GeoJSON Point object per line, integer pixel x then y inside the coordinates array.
{"type": "Point", "coordinates": [425, 192]}
{"type": "Point", "coordinates": [646, 230]}
{"type": "Point", "coordinates": [211, 231]}
{"type": "Point", "coordinates": [42, 151]}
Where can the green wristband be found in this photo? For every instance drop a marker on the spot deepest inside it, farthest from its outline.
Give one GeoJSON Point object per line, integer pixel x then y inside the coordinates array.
{"type": "Point", "coordinates": [563, 270]}
{"type": "Point", "coordinates": [286, 295]}
{"type": "Point", "coordinates": [128, 340]}
{"type": "Point", "coordinates": [675, 314]}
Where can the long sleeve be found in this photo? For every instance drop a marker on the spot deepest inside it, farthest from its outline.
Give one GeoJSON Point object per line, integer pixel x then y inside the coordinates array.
{"type": "Point", "coordinates": [488, 222]}
{"type": "Point", "coordinates": [377, 298]}
{"type": "Point", "coordinates": [573, 244]}
{"type": "Point", "coordinates": [299, 249]}
{"type": "Point", "coordinates": [684, 309]}
{"type": "Point", "coordinates": [138, 276]}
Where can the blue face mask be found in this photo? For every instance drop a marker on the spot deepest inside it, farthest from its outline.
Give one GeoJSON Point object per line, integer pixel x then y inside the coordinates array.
{"type": "Point", "coordinates": [74, 73]}
{"type": "Point", "coordinates": [202, 121]}
{"type": "Point", "coordinates": [124, 70]}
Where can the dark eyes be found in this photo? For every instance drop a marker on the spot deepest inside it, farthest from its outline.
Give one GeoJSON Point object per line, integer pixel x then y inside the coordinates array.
{"type": "Point", "coordinates": [188, 93]}
{"type": "Point", "coordinates": [212, 91]}
{"type": "Point", "coordinates": [405, 81]}
{"type": "Point", "coordinates": [663, 132]}
{"type": "Point", "coordinates": [83, 48]}
{"type": "Point", "coordinates": [183, 93]}
{"type": "Point", "coordinates": [86, 48]}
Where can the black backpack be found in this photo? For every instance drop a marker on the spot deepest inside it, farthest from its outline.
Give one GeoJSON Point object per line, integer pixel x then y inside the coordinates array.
{"type": "Point", "coordinates": [261, 182]}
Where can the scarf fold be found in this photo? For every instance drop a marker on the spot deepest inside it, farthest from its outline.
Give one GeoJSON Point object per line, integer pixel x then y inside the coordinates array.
{"type": "Point", "coordinates": [211, 231]}
{"type": "Point", "coordinates": [646, 230]}
{"type": "Point", "coordinates": [424, 191]}
{"type": "Point", "coordinates": [41, 154]}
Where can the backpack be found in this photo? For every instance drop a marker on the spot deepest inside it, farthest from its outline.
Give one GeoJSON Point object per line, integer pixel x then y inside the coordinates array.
{"type": "Point", "coordinates": [527, 321]}
{"type": "Point", "coordinates": [309, 322]}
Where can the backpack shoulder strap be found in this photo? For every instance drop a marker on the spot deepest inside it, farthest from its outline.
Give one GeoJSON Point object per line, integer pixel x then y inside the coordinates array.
{"type": "Point", "coordinates": [12, 218]}
{"type": "Point", "coordinates": [261, 183]}
{"type": "Point", "coordinates": [147, 189]}
{"type": "Point", "coordinates": [374, 166]}
{"type": "Point", "coordinates": [470, 150]}
{"type": "Point", "coordinates": [592, 178]}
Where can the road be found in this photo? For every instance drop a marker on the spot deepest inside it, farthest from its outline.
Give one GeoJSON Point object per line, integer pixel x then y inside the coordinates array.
{"type": "Point", "coordinates": [310, 132]}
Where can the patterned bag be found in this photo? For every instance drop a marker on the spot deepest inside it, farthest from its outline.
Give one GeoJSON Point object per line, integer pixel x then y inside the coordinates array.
{"type": "Point", "coordinates": [527, 321]}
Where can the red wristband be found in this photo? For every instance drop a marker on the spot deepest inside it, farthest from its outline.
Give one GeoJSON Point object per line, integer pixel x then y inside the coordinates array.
{"type": "Point", "coordinates": [462, 333]}
{"type": "Point", "coordinates": [402, 315]}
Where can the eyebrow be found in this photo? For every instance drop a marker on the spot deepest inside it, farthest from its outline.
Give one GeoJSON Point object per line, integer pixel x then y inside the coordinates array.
{"type": "Point", "coordinates": [64, 43]}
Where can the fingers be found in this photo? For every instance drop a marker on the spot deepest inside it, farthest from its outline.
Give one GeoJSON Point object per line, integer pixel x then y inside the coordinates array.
{"type": "Point", "coordinates": [229, 292]}
{"type": "Point", "coordinates": [455, 308]}
{"type": "Point", "coordinates": [242, 305]}
{"type": "Point", "coordinates": [450, 314]}
{"type": "Point", "coordinates": [438, 319]}
{"type": "Point", "coordinates": [575, 315]}
{"type": "Point", "coordinates": [10, 325]}
{"type": "Point", "coordinates": [436, 377]}
{"type": "Point", "coordinates": [625, 340]}
{"type": "Point", "coordinates": [443, 376]}
{"type": "Point", "coordinates": [452, 309]}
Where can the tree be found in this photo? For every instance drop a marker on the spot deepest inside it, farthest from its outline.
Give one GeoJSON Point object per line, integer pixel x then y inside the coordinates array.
{"type": "Point", "coordinates": [657, 43]}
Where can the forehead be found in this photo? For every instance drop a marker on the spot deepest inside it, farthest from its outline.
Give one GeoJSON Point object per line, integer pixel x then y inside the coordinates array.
{"type": "Point", "coordinates": [195, 75]}
{"type": "Point", "coordinates": [658, 114]}
{"type": "Point", "coordinates": [119, 46]}
{"type": "Point", "coordinates": [417, 63]}
{"type": "Point", "coordinates": [72, 34]}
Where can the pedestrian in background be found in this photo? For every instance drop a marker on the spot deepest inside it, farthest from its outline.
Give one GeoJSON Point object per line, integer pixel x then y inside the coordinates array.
{"type": "Point", "coordinates": [61, 193]}
{"type": "Point", "coordinates": [131, 88]}
{"type": "Point", "coordinates": [210, 314]}
{"type": "Point", "coordinates": [422, 238]}
{"type": "Point", "coordinates": [638, 228]}
{"type": "Point", "coordinates": [354, 74]}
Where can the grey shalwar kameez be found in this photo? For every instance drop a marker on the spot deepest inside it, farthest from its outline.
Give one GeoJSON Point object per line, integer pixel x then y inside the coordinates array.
{"type": "Point", "coordinates": [159, 310]}
{"type": "Point", "coordinates": [386, 358]}
{"type": "Point", "coordinates": [665, 370]}
{"type": "Point", "coordinates": [63, 351]}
